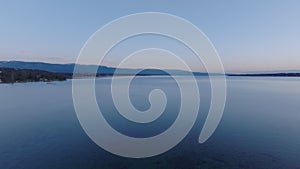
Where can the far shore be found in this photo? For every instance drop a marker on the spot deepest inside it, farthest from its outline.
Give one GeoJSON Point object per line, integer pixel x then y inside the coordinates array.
{"type": "Point", "coordinates": [129, 75]}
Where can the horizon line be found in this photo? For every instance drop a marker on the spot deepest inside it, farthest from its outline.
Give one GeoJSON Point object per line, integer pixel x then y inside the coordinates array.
{"type": "Point", "coordinates": [226, 72]}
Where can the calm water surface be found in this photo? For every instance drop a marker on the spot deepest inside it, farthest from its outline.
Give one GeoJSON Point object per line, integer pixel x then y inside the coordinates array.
{"type": "Point", "coordinates": [260, 127]}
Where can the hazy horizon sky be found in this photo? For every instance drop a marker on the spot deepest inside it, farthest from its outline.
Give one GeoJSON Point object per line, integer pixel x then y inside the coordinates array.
{"type": "Point", "coordinates": [248, 35]}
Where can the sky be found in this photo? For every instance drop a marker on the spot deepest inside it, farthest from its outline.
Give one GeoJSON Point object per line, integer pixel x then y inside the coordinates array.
{"type": "Point", "coordinates": [249, 35]}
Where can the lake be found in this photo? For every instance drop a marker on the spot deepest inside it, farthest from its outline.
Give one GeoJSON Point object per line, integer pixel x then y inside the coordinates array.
{"type": "Point", "coordinates": [260, 127]}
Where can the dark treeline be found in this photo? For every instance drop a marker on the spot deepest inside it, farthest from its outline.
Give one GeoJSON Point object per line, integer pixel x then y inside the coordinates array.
{"type": "Point", "coordinates": [10, 75]}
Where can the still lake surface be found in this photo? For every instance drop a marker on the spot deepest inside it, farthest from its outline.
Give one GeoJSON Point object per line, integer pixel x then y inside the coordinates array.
{"type": "Point", "coordinates": [260, 127]}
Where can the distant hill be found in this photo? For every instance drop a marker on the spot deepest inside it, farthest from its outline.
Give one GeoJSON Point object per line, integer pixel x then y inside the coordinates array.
{"type": "Point", "coordinates": [61, 68]}
{"type": "Point", "coordinates": [102, 70]}
{"type": "Point", "coordinates": [271, 72]}
{"type": "Point", "coordinates": [109, 71]}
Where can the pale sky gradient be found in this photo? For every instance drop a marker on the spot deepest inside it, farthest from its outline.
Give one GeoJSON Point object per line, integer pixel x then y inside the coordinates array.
{"type": "Point", "coordinates": [248, 34]}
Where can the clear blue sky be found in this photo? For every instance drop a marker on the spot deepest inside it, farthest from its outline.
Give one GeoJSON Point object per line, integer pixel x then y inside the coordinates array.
{"type": "Point", "coordinates": [248, 34]}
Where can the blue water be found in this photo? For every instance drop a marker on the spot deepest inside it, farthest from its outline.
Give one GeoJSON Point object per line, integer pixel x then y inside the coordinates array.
{"type": "Point", "coordinates": [260, 127]}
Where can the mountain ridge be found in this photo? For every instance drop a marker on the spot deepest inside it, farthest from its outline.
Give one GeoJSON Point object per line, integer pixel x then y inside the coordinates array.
{"type": "Point", "coordinates": [108, 71]}
{"type": "Point", "coordinates": [69, 68]}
